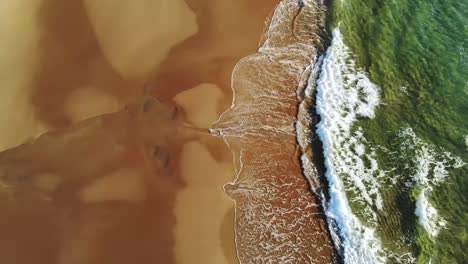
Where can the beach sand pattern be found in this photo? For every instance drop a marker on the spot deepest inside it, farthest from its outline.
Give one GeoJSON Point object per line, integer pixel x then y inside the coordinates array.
{"type": "Point", "coordinates": [64, 63]}
{"type": "Point", "coordinates": [278, 220]}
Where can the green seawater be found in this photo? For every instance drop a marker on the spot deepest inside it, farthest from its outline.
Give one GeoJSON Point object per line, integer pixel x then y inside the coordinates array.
{"type": "Point", "coordinates": [416, 51]}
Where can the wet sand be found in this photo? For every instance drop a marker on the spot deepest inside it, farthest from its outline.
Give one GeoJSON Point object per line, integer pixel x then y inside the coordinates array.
{"type": "Point", "coordinates": [278, 219]}
{"type": "Point", "coordinates": [66, 62]}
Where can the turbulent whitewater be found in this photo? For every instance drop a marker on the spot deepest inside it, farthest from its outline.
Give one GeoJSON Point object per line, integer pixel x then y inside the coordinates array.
{"type": "Point", "coordinates": [344, 93]}
{"type": "Point", "coordinates": [359, 209]}
{"type": "Point", "coordinates": [390, 121]}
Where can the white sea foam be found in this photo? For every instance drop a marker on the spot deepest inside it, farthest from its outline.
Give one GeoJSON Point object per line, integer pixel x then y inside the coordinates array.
{"type": "Point", "coordinates": [427, 215]}
{"type": "Point", "coordinates": [430, 170]}
{"type": "Point", "coordinates": [344, 93]}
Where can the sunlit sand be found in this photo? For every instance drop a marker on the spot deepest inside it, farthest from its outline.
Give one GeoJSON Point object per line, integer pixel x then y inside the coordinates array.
{"type": "Point", "coordinates": [18, 52]}
{"type": "Point", "coordinates": [202, 204]}
{"type": "Point", "coordinates": [117, 191]}
{"type": "Point", "coordinates": [130, 35]}
{"type": "Point", "coordinates": [89, 102]}
{"type": "Point", "coordinates": [201, 207]}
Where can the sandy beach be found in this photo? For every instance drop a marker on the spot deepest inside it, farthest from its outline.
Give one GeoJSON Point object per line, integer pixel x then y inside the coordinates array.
{"type": "Point", "coordinates": [278, 219]}
{"type": "Point", "coordinates": [66, 62]}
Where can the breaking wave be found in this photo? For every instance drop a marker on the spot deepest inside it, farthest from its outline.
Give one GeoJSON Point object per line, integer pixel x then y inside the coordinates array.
{"type": "Point", "coordinates": [428, 216]}
{"type": "Point", "coordinates": [345, 93]}
{"type": "Point", "coordinates": [430, 169]}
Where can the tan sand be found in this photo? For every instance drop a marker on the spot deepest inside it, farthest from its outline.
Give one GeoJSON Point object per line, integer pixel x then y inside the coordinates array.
{"type": "Point", "coordinates": [126, 184]}
{"type": "Point", "coordinates": [18, 47]}
{"type": "Point", "coordinates": [202, 205]}
{"type": "Point", "coordinates": [87, 102]}
{"type": "Point", "coordinates": [135, 36]}
{"type": "Point", "coordinates": [200, 104]}
{"type": "Point", "coordinates": [101, 186]}
{"type": "Point", "coordinates": [65, 61]}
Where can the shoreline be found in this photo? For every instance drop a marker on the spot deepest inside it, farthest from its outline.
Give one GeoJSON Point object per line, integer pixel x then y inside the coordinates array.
{"type": "Point", "coordinates": [245, 132]}
{"type": "Point", "coordinates": [96, 69]}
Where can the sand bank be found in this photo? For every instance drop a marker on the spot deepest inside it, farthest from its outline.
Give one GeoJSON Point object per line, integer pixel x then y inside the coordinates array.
{"type": "Point", "coordinates": [202, 206]}
{"type": "Point", "coordinates": [66, 62]}
{"type": "Point", "coordinates": [18, 49]}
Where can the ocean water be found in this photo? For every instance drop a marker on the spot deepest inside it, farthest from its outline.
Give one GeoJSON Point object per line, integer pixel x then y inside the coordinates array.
{"type": "Point", "coordinates": [392, 96]}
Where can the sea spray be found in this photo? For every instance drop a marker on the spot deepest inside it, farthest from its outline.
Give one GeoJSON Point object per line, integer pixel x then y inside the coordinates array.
{"type": "Point", "coordinates": [344, 94]}
{"type": "Point", "coordinates": [429, 168]}
{"type": "Point", "coordinates": [416, 52]}
{"type": "Point", "coordinates": [428, 217]}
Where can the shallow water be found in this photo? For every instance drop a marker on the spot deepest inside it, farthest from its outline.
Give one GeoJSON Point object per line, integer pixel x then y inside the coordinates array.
{"type": "Point", "coordinates": [278, 219]}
